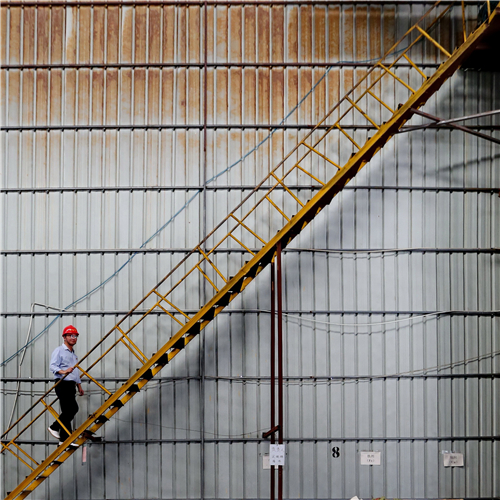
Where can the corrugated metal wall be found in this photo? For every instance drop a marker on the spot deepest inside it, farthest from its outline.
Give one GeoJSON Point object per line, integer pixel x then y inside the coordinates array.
{"type": "Point", "coordinates": [106, 137]}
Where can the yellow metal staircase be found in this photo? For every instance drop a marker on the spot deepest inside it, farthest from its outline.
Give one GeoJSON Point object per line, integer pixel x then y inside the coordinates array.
{"type": "Point", "coordinates": [328, 157]}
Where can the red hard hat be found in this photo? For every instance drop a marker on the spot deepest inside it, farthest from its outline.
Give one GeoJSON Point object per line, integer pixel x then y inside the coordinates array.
{"type": "Point", "coordinates": [70, 329]}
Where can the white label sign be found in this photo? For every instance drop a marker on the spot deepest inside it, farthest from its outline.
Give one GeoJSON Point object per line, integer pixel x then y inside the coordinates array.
{"type": "Point", "coordinates": [453, 459]}
{"type": "Point", "coordinates": [265, 462]}
{"type": "Point", "coordinates": [277, 454]}
{"type": "Point", "coordinates": [369, 458]}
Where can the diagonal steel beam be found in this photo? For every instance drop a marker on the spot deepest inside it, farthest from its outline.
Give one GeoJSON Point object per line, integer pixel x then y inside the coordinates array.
{"type": "Point", "coordinates": [439, 123]}
{"type": "Point", "coordinates": [452, 120]}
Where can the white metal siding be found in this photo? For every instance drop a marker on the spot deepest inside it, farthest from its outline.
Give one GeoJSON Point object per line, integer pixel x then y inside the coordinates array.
{"type": "Point", "coordinates": [100, 152]}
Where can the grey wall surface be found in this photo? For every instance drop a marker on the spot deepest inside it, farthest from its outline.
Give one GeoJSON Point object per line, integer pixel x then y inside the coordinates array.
{"type": "Point", "coordinates": [391, 295]}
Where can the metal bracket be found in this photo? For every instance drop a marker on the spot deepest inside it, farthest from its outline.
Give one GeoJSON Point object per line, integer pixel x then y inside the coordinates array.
{"type": "Point", "coordinates": [270, 432]}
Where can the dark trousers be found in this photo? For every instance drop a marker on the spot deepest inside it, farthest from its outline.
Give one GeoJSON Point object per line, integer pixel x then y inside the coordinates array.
{"type": "Point", "coordinates": [66, 392]}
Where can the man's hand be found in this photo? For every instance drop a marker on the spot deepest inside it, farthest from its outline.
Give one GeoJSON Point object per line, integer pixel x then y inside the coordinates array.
{"type": "Point", "coordinates": [68, 370]}
{"type": "Point", "coordinates": [80, 390]}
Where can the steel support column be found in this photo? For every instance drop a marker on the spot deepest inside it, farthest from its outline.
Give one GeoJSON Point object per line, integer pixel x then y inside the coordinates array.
{"type": "Point", "coordinates": [279, 294]}
{"type": "Point", "coordinates": [273, 370]}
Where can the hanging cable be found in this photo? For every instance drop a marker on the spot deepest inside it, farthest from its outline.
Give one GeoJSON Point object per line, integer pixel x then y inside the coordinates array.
{"type": "Point", "coordinates": [24, 354]}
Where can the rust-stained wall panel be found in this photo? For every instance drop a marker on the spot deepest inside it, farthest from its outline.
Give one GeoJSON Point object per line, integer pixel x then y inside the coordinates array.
{"type": "Point", "coordinates": [5, 30]}
{"type": "Point", "coordinates": [112, 29]}
{"type": "Point", "coordinates": [28, 34]}
{"type": "Point", "coordinates": [71, 32]}
{"type": "Point", "coordinates": [362, 41]}
{"type": "Point", "coordinates": [320, 41]}
{"type": "Point", "coordinates": [85, 39]}
{"type": "Point", "coordinates": [278, 26]}
{"type": "Point", "coordinates": [389, 27]}
{"type": "Point", "coordinates": [98, 34]}
{"type": "Point", "coordinates": [263, 35]}
{"type": "Point", "coordinates": [292, 46]}
{"type": "Point", "coordinates": [43, 29]}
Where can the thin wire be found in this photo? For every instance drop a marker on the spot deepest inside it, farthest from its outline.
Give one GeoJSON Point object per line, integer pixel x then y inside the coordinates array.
{"type": "Point", "coordinates": [366, 378]}
{"type": "Point", "coordinates": [24, 353]}
{"type": "Point", "coordinates": [410, 318]}
{"type": "Point", "coordinates": [100, 285]}
{"type": "Point", "coordinates": [147, 424]}
{"type": "Point", "coordinates": [422, 371]}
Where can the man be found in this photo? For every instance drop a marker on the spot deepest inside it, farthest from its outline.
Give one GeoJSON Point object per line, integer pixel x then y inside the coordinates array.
{"type": "Point", "coordinates": [62, 365]}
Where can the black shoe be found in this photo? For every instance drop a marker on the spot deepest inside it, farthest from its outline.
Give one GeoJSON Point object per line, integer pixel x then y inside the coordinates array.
{"type": "Point", "coordinates": [72, 445]}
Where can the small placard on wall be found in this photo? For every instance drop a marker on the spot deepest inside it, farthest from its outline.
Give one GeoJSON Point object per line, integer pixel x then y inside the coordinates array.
{"type": "Point", "coordinates": [277, 454]}
{"type": "Point", "coordinates": [369, 457]}
{"type": "Point", "coordinates": [453, 459]}
{"type": "Point", "coordinates": [265, 462]}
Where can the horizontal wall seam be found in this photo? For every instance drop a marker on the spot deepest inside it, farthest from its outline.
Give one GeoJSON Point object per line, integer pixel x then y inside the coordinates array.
{"type": "Point", "coordinates": [224, 3]}
{"type": "Point", "coordinates": [262, 440]}
{"type": "Point", "coordinates": [285, 498]}
{"type": "Point", "coordinates": [117, 251]}
{"type": "Point", "coordinates": [255, 311]}
{"type": "Point", "coordinates": [306, 378]}
{"type": "Point", "coordinates": [105, 189]}
{"type": "Point", "coordinates": [216, 126]}
{"type": "Point", "coordinates": [200, 65]}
